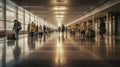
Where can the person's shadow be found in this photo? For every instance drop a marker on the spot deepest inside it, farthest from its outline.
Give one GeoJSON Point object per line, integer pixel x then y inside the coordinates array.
{"type": "Point", "coordinates": [17, 51]}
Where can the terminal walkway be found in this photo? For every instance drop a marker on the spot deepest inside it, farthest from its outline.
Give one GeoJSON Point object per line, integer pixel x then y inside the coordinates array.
{"type": "Point", "coordinates": [57, 50]}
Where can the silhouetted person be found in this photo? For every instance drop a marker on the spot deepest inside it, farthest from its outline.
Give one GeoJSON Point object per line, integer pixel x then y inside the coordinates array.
{"type": "Point", "coordinates": [83, 33]}
{"type": "Point", "coordinates": [63, 29]}
{"type": "Point", "coordinates": [40, 31]}
{"type": "Point", "coordinates": [59, 29]}
{"type": "Point", "coordinates": [44, 29]}
{"type": "Point", "coordinates": [32, 29]}
{"type": "Point", "coordinates": [102, 28]}
{"type": "Point", "coordinates": [17, 27]}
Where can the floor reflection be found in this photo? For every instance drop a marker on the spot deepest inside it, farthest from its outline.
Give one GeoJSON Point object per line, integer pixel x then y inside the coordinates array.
{"type": "Point", "coordinates": [17, 51]}
{"type": "Point", "coordinates": [60, 58]}
{"type": "Point", "coordinates": [4, 56]}
{"type": "Point", "coordinates": [31, 43]}
{"type": "Point", "coordinates": [59, 50]}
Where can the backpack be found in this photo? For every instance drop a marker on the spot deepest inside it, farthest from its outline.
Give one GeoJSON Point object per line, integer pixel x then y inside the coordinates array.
{"type": "Point", "coordinates": [19, 26]}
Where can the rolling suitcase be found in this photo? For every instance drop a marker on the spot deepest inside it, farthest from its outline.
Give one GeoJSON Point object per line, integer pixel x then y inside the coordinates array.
{"type": "Point", "coordinates": [11, 36]}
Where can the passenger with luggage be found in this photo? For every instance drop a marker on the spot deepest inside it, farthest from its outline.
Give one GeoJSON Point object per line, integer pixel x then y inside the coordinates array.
{"type": "Point", "coordinates": [17, 27]}
{"type": "Point", "coordinates": [44, 29]}
{"type": "Point", "coordinates": [32, 29]}
{"type": "Point", "coordinates": [63, 29]}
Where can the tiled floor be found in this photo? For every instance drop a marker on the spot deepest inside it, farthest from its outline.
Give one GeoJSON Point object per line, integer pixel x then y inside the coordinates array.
{"type": "Point", "coordinates": [56, 50]}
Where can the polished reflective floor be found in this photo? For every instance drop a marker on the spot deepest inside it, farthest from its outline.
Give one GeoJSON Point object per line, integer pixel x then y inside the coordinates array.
{"type": "Point", "coordinates": [57, 50]}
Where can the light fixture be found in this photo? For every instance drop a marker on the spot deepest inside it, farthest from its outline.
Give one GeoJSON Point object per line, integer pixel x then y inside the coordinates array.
{"type": "Point", "coordinates": [60, 8]}
{"type": "Point", "coordinates": [59, 16]}
{"type": "Point", "coordinates": [59, 12]}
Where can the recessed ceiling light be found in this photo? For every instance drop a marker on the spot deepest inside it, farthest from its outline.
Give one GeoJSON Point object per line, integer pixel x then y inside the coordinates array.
{"type": "Point", "coordinates": [59, 16]}
{"type": "Point", "coordinates": [60, 8]}
{"type": "Point", "coordinates": [60, 12]}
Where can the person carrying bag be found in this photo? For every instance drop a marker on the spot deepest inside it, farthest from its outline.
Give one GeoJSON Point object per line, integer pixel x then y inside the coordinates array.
{"type": "Point", "coordinates": [17, 27]}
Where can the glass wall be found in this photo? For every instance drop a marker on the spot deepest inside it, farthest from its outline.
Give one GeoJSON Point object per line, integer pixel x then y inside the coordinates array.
{"type": "Point", "coordinates": [36, 20]}
{"type": "Point", "coordinates": [10, 13]}
{"type": "Point", "coordinates": [13, 11]}
{"type": "Point", "coordinates": [32, 18]}
{"type": "Point", "coordinates": [10, 16]}
{"type": "Point", "coordinates": [9, 25]}
{"type": "Point", "coordinates": [27, 17]}
{"type": "Point", "coordinates": [21, 15]}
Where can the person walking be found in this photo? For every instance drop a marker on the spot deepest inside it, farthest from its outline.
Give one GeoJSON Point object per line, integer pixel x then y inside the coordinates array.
{"type": "Point", "coordinates": [17, 27]}
{"type": "Point", "coordinates": [59, 29]}
{"type": "Point", "coordinates": [44, 29]}
{"type": "Point", "coordinates": [63, 29]}
{"type": "Point", "coordinates": [102, 28]}
{"type": "Point", "coordinates": [32, 29]}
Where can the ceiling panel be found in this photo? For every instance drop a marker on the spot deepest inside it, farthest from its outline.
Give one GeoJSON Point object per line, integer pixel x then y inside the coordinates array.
{"type": "Point", "coordinates": [45, 8]}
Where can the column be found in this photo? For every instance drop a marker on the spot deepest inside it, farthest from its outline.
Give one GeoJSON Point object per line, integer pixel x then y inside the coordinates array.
{"type": "Point", "coordinates": [16, 12]}
{"type": "Point", "coordinates": [4, 15]}
{"type": "Point", "coordinates": [107, 23]}
{"type": "Point", "coordinates": [93, 23]}
{"type": "Point", "coordinates": [24, 19]}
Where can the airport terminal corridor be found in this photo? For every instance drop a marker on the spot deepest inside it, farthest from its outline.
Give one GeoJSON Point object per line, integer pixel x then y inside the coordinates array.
{"type": "Point", "coordinates": [59, 33]}
{"type": "Point", "coordinates": [57, 50]}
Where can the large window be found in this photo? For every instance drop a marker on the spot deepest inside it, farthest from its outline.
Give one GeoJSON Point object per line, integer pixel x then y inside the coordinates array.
{"type": "Point", "coordinates": [27, 17]}
{"type": "Point", "coordinates": [32, 18]}
{"type": "Point", "coordinates": [9, 25]}
{"type": "Point", "coordinates": [36, 21]}
{"type": "Point", "coordinates": [10, 13]}
{"type": "Point", "coordinates": [10, 16]}
{"type": "Point", "coordinates": [40, 21]}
